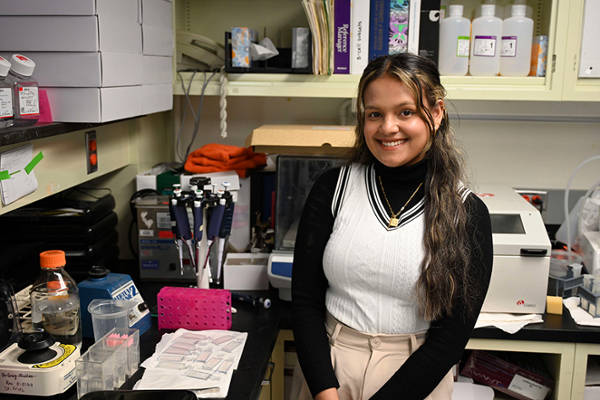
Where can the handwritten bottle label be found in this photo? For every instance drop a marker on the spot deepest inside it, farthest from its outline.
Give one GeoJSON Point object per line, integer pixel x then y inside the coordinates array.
{"type": "Point", "coordinates": [6, 105]}
{"type": "Point", "coordinates": [29, 101]}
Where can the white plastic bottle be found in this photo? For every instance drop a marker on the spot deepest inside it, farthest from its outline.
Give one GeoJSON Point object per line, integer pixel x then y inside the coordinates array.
{"type": "Point", "coordinates": [454, 43]}
{"type": "Point", "coordinates": [26, 101]}
{"type": "Point", "coordinates": [498, 10]}
{"type": "Point", "coordinates": [508, 10]}
{"type": "Point", "coordinates": [517, 38]}
{"type": "Point", "coordinates": [6, 104]}
{"type": "Point", "coordinates": [486, 34]}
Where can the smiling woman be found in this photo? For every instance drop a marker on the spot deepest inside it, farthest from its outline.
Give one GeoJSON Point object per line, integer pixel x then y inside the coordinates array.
{"type": "Point", "coordinates": [393, 254]}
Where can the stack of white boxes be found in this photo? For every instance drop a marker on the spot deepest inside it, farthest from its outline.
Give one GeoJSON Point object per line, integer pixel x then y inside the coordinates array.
{"type": "Point", "coordinates": [98, 60]}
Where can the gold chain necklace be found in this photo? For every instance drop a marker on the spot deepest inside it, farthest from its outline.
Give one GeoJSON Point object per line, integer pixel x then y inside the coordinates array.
{"type": "Point", "coordinates": [394, 217]}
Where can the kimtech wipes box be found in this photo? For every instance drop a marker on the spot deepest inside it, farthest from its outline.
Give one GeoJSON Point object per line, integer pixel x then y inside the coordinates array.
{"type": "Point", "coordinates": [302, 139]}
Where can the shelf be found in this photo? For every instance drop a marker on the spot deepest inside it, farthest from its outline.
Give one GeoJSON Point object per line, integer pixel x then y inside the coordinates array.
{"type": "Point", "coordinates": [14, 135]}
{"type": "Point", "coordinates": [345, 86]}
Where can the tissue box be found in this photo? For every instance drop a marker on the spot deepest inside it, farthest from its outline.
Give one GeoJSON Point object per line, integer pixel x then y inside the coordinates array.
{"type": "Point", "coordinates": [246, 271]}
{"type": "Point", "coordinates": [520, 375]}
{"type": "Point", "coordinates": [241, 38]}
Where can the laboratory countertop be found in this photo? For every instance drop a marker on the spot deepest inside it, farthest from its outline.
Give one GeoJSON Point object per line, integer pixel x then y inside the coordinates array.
{"type": "Point", "coordinates": [263, 326]}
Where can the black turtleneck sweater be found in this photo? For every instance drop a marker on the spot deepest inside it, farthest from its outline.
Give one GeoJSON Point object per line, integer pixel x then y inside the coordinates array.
{"type": "Point", "coordinates": [447, 336]}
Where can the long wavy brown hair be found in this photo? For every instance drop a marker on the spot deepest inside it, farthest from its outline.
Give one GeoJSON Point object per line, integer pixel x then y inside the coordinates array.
{"type": "Point", "coordinates": [445, 274]}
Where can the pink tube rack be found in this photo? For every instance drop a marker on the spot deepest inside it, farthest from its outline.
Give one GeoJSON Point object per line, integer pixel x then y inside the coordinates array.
{"type": "Point", "coordinates": [194, 309]}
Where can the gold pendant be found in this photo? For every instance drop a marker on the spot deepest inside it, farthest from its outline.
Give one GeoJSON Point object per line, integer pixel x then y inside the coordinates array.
{"type": "Point", "coordinates": [393, 221]}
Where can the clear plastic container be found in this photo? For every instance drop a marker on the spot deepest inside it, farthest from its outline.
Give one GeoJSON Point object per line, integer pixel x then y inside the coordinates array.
{"type": "Point", "coordinates": [486, 34]}
{"type": "Point", "coordinates": [6, 102]}
{"type": "Point", "coordinates": [26, 100]}
{"type": "Point", "coordinates": [108, 314]}
{"type": "Point", "coordinates": [455, 31]}
{"type": "Point", "coordinates": [55, 306]}
{"type": "Point", "coordinates": [517, 39]}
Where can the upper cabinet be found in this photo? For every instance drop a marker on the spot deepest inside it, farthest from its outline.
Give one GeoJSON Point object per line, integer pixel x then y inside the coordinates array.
{"type": "Point", "coordinates": [561, 21]}
{"type": "Point", "coordinates": [575, 88]}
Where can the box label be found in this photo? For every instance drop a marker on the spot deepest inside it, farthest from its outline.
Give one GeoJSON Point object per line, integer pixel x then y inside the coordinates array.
{"type": "Point", "coordinates": [6, 106]}
{"type": "Point", "coordinates": [528, 388]}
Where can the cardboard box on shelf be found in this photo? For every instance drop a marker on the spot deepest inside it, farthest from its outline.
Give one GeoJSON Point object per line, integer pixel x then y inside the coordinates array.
{"type": "Point", "coordinates": [70, 33]}
{"type": "Point", "coordinates": [157, 98]}
{"type": "Point", "coordinates": [97, 69]}
{"type": "Point", "coordinates": [157, 41]}
{"type": "Point", "coordinates": [157, 13]}
{"type": "Point", "coordinates": [121, 9]}
{"type": "Point", "coordinates": [94, 104]}
{"type": "Point", "coordinates": [302, 139]}
{"type": "Point", "coordinates": [157, 69]}
{"type": "Point", "coordinates": [520, 375]}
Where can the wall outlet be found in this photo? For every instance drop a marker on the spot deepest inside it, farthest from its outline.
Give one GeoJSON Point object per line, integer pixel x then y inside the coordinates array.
{"type": "Point", "coordinates": [91, 152]}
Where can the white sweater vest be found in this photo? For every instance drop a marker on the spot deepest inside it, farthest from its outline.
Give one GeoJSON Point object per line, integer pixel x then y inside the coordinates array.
{"type": "Point", "coordinates": [373, 272]}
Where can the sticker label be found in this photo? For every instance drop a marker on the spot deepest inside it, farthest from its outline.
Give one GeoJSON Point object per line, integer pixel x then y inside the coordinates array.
{"type": "Point", "coordinates": [509, 46]}
{"type": "Point", "coordinates": [484, 46]}
{"type": "Point", "coordinates": [163, 220]}
{"type": "Point", "coordinates": [6, 105]}
{"type": "Point", "coordinates": [528, 388]}
{"type": "Point", "coordinates": [150, 264]}
{"type": "Point", "coordinates": [146, 233]}
{"type": "Point", "coordinates": [29, 102]}
{"type": "Point", "coordinates": [463, 46]}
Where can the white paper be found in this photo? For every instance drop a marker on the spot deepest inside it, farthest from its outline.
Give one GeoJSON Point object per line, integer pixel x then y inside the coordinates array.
{"type": "Point", "coordinates": [579, 315]}
{"type": "Point", "coordinates": [509, 323]}
{"type": "Point", "coordinates": [156, 377]}
{"type": "Point", "coordinates": [20, 183]}
{"type": "Point", "coordinates": [263, 51]}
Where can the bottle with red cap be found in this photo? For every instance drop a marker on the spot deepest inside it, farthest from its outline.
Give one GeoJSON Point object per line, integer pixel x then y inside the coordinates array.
{"type": "Point", "coordinates": [26, 99]}
{"type": "Point", "coordinates": [55, 306]}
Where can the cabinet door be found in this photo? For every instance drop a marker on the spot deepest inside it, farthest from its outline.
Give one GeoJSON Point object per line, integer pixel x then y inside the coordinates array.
{"type": "Point", "coordinates": [575, 88]}
{"type": "Point", "coordinates": [211, 18]}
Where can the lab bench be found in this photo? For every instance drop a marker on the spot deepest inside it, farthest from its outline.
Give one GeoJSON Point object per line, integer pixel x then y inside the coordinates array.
{"type": "Point", "coordinates": [563, 345]}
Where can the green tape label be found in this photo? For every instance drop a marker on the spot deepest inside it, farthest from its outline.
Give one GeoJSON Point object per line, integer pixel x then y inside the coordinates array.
{"type": "Point", "coordinates": [4, 175]}
{"type": "Point", "coordinates": [34, 162]}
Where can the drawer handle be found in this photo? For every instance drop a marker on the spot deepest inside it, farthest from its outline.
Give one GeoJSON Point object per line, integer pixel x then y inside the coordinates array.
{"type": "Point", "coordinates": [534, 252]}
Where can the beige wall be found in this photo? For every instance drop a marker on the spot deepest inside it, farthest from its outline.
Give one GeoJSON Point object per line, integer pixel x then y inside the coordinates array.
{"type": "Point", "coordinates": [540, 152]}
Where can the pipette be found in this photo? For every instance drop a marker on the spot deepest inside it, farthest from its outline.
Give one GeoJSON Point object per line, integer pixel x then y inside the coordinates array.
{"type": "Point", "coordinates": [225, 230]}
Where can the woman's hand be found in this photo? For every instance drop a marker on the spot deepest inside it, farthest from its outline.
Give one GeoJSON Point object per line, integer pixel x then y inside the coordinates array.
{"type": "Point", "coordinates": [328, 394]}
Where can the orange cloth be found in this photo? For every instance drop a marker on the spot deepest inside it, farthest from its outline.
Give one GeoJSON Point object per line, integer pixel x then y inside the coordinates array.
{"type": "Point", "coordinates": [216, 157]}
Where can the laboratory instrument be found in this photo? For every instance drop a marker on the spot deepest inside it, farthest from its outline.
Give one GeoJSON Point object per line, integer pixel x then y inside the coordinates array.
{"type": "Point", "coordinates": [522, 249]}
{"type": "Point", "coordinates": [295, 177]}
{"type": "Point", "coordinates": [55, 305]}
{"type": "Point", "coordinates": [33, 363]}
{"type": "Point", "coordinates": [103, 284]}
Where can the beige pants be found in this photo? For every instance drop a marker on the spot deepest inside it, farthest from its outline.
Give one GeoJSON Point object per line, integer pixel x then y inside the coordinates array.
{"type": "Point", "coordinates": [363, 363]}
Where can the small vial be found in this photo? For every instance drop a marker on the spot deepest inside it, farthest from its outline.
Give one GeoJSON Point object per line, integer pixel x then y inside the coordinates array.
{"type": "Point", "coordinates": [6, 103]}
{"type": "Point", "coordinates": [26, 101]}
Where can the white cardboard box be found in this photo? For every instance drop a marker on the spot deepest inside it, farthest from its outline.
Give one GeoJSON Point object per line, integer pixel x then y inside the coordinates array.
{"type": "Point", "coordinates": [157, 41]}
{"type": "Point", "coordinates": [98, 69]}
{"type": "Point", "coordinates": [246, 271]}
{"type": "Point", "coordinates": [147, 179]}
{"type": "Point", "coordinates": [157, 13]}
{"type": "Point", "coordinates": [70, 33]}
{"type": "Point", "coordinates": [157, 69]}
{"type": "Point", "coordinates": [120, 9]}
{"type": "Point", "coordinates": [157, 98]}
{"type": "Point", "coordinates": [94, 104]}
